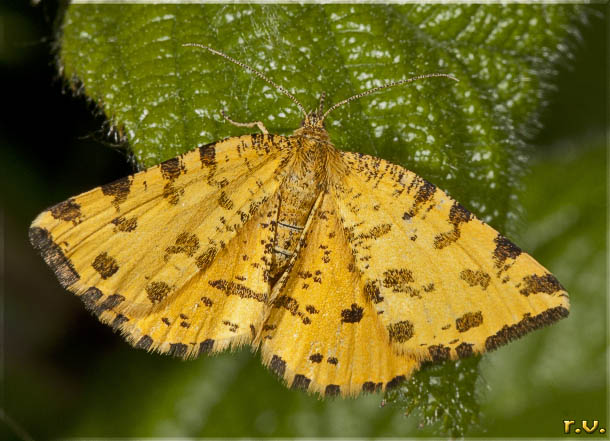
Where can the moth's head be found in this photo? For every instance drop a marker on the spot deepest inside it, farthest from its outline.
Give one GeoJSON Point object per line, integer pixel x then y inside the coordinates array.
{"type": "Point", "coordinates": [313, 124]}
{"type": "Point", "coordinates": [313, 120]}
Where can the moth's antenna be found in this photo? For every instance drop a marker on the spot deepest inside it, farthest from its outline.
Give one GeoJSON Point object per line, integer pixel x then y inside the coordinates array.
{"type": "Point", "coordinates": [386, 86]}
{"type": "Point", "coordinates": [251, 69]}
{"type": "Point", "coordinates": [321, 106]}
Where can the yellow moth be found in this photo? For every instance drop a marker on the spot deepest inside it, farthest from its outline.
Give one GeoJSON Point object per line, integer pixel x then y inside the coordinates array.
{"type": "Point", "coordinates": [345, 270]}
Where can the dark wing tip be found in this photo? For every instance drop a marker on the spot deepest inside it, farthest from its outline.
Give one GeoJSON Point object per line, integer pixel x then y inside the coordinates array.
{"type": "Point", "coordinates": [526, 325]}
{"type": "Point", "coordinates": [41, 240]}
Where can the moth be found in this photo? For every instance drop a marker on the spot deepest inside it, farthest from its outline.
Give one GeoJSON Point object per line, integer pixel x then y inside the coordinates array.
{"type": "Point", "coordinates": [345, 270]}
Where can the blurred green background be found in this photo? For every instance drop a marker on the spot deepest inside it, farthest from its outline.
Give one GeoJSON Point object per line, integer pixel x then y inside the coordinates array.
{"type": "Point", "coordinates": [67, 375]}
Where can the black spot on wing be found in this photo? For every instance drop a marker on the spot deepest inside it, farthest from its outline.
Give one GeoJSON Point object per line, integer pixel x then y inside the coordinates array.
{"type": "Point", "coordinates": [224, 201]}
{"type": "Point", "coordinates": [401, 331]}
{"type": "Point", "coordinates": [371, 291]}
{"type": "Point", "coordinates": [204, 260]}
{"type": "Point", "coordinates": [398, 279]}
{"type": "Point", "coordinates": [233, 327]}
{"type": "Point", "coordinates": [300, 382]}
{"type": "Point", "coordinates": [277, 365]}
{"type": "Point", "coordinates": [505, 249]}
{"type": "Point", "coordinates": [177, 349]}
{"type": "Point", "coordinates": [66, 211]}
{"type": "Point", "coordinates": [425, 192]}
{"type": "Point", "coordinates": [352, 315]}
{"type": "Point", "coordinates": [207, 155]}
{"type": "Point", "coordinates": [157, 291]}
{"type": "Point", "coordinates": [376, 232]}
{"type": "Point", "coordinates": [172, 168]}
{"type": "Point", "coordinates": [90, 297]}
{"type": "Point", "coordinates": [316, 358]}
{"type": "Point", "coordinates": [118, 322]}
{"type": "Point", "coordinates": [119, 189]}
{"type": "Point", "coordinates": [232, 288]}
{"type": "Point", "coordinates": [172, 193]}
{"type": "Point", "coordinates": [311, 309]}
{"type": "Point", "coordinates": [474, 278]}
{"type": "Point", "coordinates": [546, 283]}
{"type": "Point", "coordinates": [439, 352]}
{"type": "Point", "coordinates": [288, 303]}
{"type": "Point", "coordinates": [457, 216]}
{"type": "Point", "coordinates": [109, 303]}
{"type": "Point", "coordinates": [464, 350]}
{"type": "Point", "coordinates": [395, 382]}
{"type": "Point", "coordinates": [185, 243]}
{"type": "Point", "coordinates": [206, 346]}
{"type": "Point", "coordinates": [370, 387]}
{"type": "Point", "coordinates": [332, 390]}
{"type": "Point", "coordinates": [125, 225]}
{"type": "Point", "coordinates": [105, 265]}
{"type": "Point", "coordinates": [469, 320]}
{"type": "Point", "coordinates": [144, 343]}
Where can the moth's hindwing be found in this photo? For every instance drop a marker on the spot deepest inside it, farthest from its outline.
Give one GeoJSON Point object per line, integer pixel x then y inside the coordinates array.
{"type": "Point", "coordinates": [322, 334]}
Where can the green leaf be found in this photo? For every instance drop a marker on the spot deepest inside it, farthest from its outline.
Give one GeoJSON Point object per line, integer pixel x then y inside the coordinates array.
{"type": "Point", "coordinates": [436, 396]}
{"type": "Point", "coordinates": [468, 137]}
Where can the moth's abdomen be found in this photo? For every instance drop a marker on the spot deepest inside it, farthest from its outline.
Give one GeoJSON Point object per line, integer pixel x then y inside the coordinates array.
{"type": "Point", "coordinates": [297, 197]}
{"type": "Point", "coordinates": [295, 206]}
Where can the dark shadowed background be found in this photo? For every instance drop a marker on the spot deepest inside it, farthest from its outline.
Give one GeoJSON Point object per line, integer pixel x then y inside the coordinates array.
{"type": "Point", "coordinates": [65, 374]}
